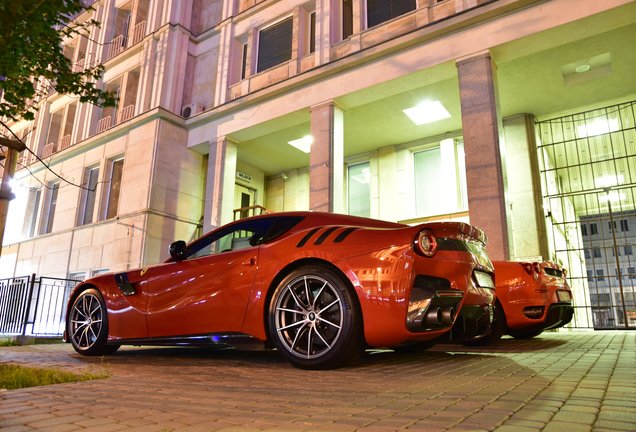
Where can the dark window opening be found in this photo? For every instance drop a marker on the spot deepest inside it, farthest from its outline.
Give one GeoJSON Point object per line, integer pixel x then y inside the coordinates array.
{"type": "Point", "coordinates": [244, 62]}
{"type": "Point", "coordinates": [379, 11]}
{"type": "Point", "coordinates": [593, 229]}
{"type": "Point", "coordinates": [312, 32]}
{"type": "Point", "coordinates": [347, 18]}
{"type": "Point", "coordinates": [275, 45]}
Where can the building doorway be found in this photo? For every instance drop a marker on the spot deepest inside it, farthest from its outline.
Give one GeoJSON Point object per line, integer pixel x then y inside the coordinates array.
{"type": "Point", "coordinates": [588, 173]}
{"type": "Point", "coordinates": [244, 198]}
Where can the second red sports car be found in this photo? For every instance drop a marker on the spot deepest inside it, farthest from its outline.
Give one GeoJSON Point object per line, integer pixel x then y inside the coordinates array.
{"type": "Point", "coordinates": [531, 297]}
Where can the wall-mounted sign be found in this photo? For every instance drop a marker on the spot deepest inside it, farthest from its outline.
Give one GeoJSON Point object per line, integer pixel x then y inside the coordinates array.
{"type": "Point", "coordinates": [243, 176]}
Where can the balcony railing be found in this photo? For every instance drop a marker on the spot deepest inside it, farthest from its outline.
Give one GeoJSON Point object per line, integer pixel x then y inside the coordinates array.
{"type": "Point", "coordinates": [48, 149]}
{"type": "Point", "coordinates": [104, 124]}
{"type": "Point", "coordinates": [116, 46]}
{"type": "Point", "coordinates": [121, 42]}
{"type": "Point", "coordinates": [79, 65]}
{"type": "Point", "coordinates": [65, 142]}
{"type": "Point", "coordinates": [138, 32]}
{"type": "Point", "coordinates": [126, 113]}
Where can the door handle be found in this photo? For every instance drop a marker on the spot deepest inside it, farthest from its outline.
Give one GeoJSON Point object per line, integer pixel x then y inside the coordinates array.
{"type": "Point", "coordinates": [249, 262]}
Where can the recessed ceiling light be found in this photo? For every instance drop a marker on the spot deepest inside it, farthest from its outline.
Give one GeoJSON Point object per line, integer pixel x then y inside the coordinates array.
{"type": "Point", "coordinates": [303, 144]}
{"type": "Point", "coordinates": [582, 68]}
{"type": "Point", "coordinates": [427, 112]}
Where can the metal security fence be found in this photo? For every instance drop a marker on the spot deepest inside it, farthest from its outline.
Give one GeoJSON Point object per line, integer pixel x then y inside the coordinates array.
{"type": "Point", "coordinates": [33, 306]}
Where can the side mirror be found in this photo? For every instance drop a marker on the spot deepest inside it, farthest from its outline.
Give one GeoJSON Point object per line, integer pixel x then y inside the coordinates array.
{"type": "Point", "coordinates": [178, 250]}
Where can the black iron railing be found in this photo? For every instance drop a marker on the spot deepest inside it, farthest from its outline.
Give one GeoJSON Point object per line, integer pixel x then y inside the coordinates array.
{"type": "Point", "coordinates": [33, 306]}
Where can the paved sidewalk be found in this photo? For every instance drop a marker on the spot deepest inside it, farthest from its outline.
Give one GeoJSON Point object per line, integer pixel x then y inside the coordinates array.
{"type": "Point", "coordinates": [569, 382]}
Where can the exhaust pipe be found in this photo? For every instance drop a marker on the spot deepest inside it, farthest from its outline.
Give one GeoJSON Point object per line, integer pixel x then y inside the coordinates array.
{"type": "Point", "coordinates": [448, 315]}
{"type": "Point", "coordinates": [434, 316]}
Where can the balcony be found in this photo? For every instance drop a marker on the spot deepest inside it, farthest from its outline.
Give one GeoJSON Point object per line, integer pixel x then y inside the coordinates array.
{"type": "Point", "coordinates": [48, 150]}
{"type": "Point", "coordinates": [122, 42]}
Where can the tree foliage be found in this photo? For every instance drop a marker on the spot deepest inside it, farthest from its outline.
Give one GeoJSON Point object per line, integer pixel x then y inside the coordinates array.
{"type": "Point", "coordinates": [32, 34]}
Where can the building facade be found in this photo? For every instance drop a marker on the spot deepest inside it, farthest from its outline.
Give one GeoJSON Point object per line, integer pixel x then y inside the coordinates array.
{"type": "Point", "coordinates": [406, 110]}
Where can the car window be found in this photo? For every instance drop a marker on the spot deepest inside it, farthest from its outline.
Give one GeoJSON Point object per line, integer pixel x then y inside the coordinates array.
{"type": "Point", "coordinates": [242, 235]}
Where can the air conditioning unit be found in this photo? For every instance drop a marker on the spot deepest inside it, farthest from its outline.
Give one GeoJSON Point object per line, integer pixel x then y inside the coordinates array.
{"type": "Point", "coordinates": [190, 110]}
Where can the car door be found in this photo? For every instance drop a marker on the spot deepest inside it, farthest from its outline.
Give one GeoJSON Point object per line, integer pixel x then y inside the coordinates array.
{"type": "Point", "coordinates": [208, 291]}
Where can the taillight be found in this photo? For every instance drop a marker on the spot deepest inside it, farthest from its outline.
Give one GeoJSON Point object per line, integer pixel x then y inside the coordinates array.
{"type": "Point", "coordinates": [425, 243]}
{"type": "Point", "coordinates": [533, 269]}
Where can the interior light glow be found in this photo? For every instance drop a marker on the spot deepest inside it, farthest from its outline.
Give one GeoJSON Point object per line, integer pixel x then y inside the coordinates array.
{"type": "Point", "coordinates": [613, 197]}
{"type": "Point", "coordinates": [609, 181]}
{"type": "Point", "coordinates": [427, 112]}
{"type": "Point", "coordinates": [597, 126]}
{"type": "Point", "coordinates": [303, 144]}
{"type": "Point", "coordinates": [582, 68]}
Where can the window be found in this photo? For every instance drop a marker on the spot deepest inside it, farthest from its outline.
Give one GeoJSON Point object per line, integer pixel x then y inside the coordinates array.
{"type": "Point", "coordinates": [359, 188]}
{"type": "Point", "coordinates": [113, 186]}
{"type": "Point", "coordinates": [312, 32]}
{"type": "Point", "coordinates": [379, 11]}
{"type": "Point", "coordinates": [624, 225]}
{"type": "Point", "coordinates": [593, 229]}
{"type": "Point", "coordinates": [32, 212]}
{"type": "Point", "coordinates": [241, 235]}
{"type": "Point", "coordinates": [600, 275]}
{"type": "Point", "coordinates": [590, 276]}
{"type": "Point", "coordinates": [584, 229]}
{"type": "Point", "coordinates": [275, 44]}
{"type": "Point", "coordinates": [587, 253]}
{"type": "Point", "coordinates": [628, 250]}
{"type": "Point", "coordinates": [440, 179]}
{"type": "Point", "coordinates": [347, 18]}
{"type": "Point", "coordinates": [49, 207]}
{"type": "Point", "coordinates": [597, 252]}
{"type": "Point", "coordinates": [610, 224]}
{"type": "Point", "coordinates": [87, 206]}
{"type": "Point", "coordinates": [631, 272]}
{"type": "Point", "coordinates": [244, 62]}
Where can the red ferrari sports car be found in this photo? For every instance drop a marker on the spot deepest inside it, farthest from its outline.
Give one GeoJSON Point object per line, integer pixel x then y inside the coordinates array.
{"type": "Point", "coordinates": [531, 298]}
{"type": "Point", "coordinates": [317, 286]}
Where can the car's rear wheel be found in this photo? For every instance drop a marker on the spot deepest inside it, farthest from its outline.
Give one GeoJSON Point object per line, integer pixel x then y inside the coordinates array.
{"type": "Point", "coordinates": [87, 325]}
{"type": "Point", "coordinates": [314, 319]}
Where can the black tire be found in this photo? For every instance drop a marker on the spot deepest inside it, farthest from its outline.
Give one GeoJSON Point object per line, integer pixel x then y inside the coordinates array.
{"type": "Point", "coordinates": [526, 334]}
{"type": "Point", "coordinates": [314, 319]}
{"type": "Point", "coordinates": [87, 326]}
{"type": "Point", "coordinates": [498, 328]}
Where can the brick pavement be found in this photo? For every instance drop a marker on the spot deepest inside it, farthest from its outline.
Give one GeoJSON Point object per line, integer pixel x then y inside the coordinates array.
{"type": "Point", "coordinates": [570, 382]}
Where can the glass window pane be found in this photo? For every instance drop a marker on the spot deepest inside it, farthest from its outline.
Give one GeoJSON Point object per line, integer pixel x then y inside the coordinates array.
{"type": "Point", "coordinates": [275, 44]}
{"type": "Point", "coordinates": [429, 197]}
{"type": "Point", "coordinates": [115, 185]}
{"type": "Point", "coordinates": [360, 189]}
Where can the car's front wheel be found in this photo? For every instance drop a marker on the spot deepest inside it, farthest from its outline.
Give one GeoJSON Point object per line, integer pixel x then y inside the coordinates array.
{"type": "Point", "coordinates": [87, 326]}
{"type": "Point", "coordinates": [314, 319]}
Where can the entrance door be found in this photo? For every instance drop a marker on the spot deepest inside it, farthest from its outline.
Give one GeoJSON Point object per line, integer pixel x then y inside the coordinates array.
{"type": "Point", "coordinates": [243, 197]}
{"type": "Point", "coordinates": [589, 187]}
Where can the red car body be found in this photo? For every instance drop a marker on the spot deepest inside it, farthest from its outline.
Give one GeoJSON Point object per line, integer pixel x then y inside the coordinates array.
{"type": "Point", "coordinates": [270, 278]}
{"type": "Point", "coordinates": [531, 298]}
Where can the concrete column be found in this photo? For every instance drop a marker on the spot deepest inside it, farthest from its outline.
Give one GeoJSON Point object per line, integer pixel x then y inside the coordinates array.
{"type": "Point", "coordinates": [326, 26]}
{"type": "Point", "coordinates": [484, 172]}
{"type": "Point", "coordinates": [326, 160]}
{"type": "Point", "coordinates": [359, 16]}
{"type": "Point", "coordinates": [528, 232]}
{"type": "Point", "coordinates": [219, 186]}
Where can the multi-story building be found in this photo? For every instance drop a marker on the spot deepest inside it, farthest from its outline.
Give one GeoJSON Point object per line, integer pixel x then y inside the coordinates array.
{"type": "Point", "coordinates": [503, 113]}
{"type": "Point", "coordinates": [609, 240]}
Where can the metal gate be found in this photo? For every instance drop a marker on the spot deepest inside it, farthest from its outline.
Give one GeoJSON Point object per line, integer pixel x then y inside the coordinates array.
{"type": "Point", "coordinates": [588, 174]}
{"type": "Point", "coordinates": [34, 306]}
